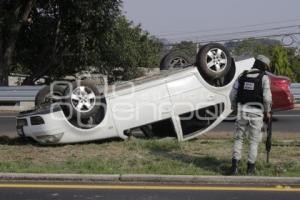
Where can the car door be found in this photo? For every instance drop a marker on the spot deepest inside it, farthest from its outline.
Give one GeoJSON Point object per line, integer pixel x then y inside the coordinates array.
{"type": "Point", "coordinates": [144, 104]}
{"type": "Point", "coordinates": [196, 109]}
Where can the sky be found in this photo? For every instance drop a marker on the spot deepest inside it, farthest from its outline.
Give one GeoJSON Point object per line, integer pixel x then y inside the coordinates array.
{"type": "Point", "coordinates": [212, 20]}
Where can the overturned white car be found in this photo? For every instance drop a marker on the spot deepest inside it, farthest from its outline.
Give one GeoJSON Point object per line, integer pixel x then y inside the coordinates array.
{"type": "Point", "coordinates": [180, 102]}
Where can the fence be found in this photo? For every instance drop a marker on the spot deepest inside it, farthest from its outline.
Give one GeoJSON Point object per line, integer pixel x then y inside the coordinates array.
{"type": "Point", "coordinates": [18, 97]}
{"type": "Point", "coordinates": [22, 97]}
{"type": "Point", "coordinates": [18, 93]}
{"type": "Point", "coordinates": [295, 88]}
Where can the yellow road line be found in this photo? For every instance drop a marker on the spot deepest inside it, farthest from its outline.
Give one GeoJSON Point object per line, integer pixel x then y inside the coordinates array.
{"type": "Point", "coordinates": [151, 187]}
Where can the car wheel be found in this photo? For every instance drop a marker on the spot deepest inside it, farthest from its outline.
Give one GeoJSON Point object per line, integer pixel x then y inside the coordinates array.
{"type": "Point", "coordinates": [84, 99]}
{"type": "Point", "coordinates": [213, 61]}
{"type": "Point", "coordinates": [175, 59]}
{"type": "Point", "coordinates": [45, 95]}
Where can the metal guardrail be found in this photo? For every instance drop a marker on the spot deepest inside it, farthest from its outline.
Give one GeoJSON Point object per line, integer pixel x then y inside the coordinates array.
{"type": "Point", "coordinates": [28, 93]}
{"type": "Point", "coordinates": [295, 88]}
{"type": "Point", "coordinates": [18, 93]}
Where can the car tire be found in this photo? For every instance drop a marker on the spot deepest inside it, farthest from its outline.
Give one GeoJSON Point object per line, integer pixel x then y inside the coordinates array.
{"type": "Point", "coordinates": [45, 95]}
{"type": "Point", "coordinates": [213, 61]}
{"type": "Point", "coordinates": [175, 59]}
{"type": "Point", "coordinates": [84, 99]}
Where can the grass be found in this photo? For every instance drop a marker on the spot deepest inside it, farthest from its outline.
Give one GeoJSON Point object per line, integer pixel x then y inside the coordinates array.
{"type": "Point", "coordinates": [141, 156]}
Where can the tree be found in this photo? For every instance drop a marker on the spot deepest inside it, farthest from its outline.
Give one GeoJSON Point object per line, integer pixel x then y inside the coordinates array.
{"type": "Point", "coordinates": [280, 62]}
{"type": "Point", "coordinates": [65, 37]}
{"type": "Point", "coordinates": [128, 48]}
{"type": "Point", "coordinates": [14, 15]}
{"type": "Point", "coordinates": [295, 65]}
{"type": "Point", "coordinates": [186, 49]}
{"type": "Point", "coordinates": [283, 60]}
{"type": "Point", "coordinates": [69, 36]}
{"type": "Point", "coordinates": [294, 59]}
{"type": "Point", "coordinates": [189, 47]}
{"type": "Point", "coordinates": [253, 47]}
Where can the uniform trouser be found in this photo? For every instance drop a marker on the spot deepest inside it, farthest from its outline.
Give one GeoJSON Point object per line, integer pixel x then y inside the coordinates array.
{"type": "Point", "coordinates": [253, 123]}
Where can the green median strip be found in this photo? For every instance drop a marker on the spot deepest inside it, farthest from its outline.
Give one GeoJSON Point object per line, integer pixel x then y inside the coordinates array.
{"type": "Point", "coordinates": [141, 156]}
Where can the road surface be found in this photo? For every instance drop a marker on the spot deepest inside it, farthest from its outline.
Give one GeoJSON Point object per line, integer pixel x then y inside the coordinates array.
{"type": "Point", "coordinates": [143, 192]}
{"type": "Point", "coordinates": [8, 124]}
{"type": "Point", "coordinates": [286, 125]}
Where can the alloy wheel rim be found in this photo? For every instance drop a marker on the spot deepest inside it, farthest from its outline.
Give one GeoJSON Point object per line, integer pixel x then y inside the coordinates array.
{"type": "Point", "coordinates": [83, 99]}
{"type": "Point", "coordinates": [216, 60]}
{"type": "Point", "coordinates": [178, 62]}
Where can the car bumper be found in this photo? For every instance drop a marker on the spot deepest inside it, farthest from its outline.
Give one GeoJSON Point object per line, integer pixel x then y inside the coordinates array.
{"type": "Point", "coordinates": [38, 124]}
{"type": "Point", "coordinates": [49, 125]}
{"type": "Point", "coordinates": [285, 101]}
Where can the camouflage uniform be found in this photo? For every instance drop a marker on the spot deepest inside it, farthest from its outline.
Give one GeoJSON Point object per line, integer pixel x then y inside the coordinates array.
{"type": "Point", "coordinates": [249, 120]}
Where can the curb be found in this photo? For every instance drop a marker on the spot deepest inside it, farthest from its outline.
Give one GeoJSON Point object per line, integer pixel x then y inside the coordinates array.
{"type": "Point", "coordinates": [154, 179]}
{"type": "Point", "coordinates": [58, 177]}
{"type": "Point", "coordinates": [211, 179]}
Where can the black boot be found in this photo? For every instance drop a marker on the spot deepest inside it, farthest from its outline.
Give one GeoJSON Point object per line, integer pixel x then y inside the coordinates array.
{"type": "Point", "coordinates": [234, 167]}
{"type": "Point", "coordinates": [250, 168]}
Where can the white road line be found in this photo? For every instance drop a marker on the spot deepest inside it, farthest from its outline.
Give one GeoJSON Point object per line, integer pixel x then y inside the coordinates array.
{"type": "Point", "coordinates": [286, 115]}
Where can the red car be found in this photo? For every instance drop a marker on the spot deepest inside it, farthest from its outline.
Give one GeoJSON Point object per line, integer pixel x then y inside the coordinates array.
{"type": "Point", "coordinates": [282, 97]}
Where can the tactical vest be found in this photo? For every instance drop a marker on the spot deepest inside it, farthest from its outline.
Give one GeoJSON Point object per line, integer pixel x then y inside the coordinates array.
{"type": "Point", "coordinates": [250, 88]}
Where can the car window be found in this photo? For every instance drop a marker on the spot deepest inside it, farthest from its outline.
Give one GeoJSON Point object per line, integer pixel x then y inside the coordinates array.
{"type": "Point", "coordinates": [198, 120]}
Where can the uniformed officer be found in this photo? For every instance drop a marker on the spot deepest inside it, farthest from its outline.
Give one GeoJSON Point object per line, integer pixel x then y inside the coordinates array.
{"type": "Point", "coordinates": [252, 99]}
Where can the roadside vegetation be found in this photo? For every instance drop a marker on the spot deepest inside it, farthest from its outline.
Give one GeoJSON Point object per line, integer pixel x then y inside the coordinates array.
{"type": "Point", "coordinates": [54, 39]}
{"type": "Point", "coordinates": [142, 156]}
{"type": "Point", "coordinates": [284, 60]}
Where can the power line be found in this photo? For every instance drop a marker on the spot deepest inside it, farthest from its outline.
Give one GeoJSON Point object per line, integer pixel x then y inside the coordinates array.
{"type": "Point", "coordinates": [242, 38]}
{"type": "Point", "coordinates": [280, 31]}
{"type": "Point", "coordinates": [249, 31]}
{"type": "Point", "coordinates": [222, 29]}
